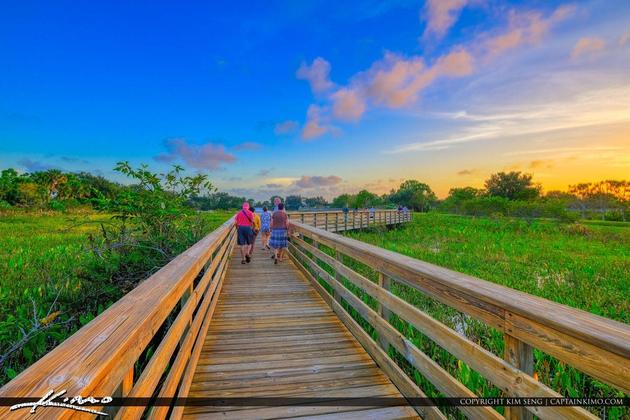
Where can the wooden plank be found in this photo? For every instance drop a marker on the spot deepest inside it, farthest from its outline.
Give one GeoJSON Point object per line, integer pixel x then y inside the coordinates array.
{"type": "Point", "coordinates": [400, 379]}
{"type": "Point", "coordinates": [253, 347]}
{"type": "Point", "coordinates": [491, 303]}
{"type": "Point", "coordinates": [192, 363]}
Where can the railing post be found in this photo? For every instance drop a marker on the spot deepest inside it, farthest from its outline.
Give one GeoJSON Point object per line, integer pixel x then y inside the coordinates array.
{"type": "Point", "coordinates": [338, 257]}
{"type": "Point", "coordinates": [127, 383]}
{"type": "Point", "coordinates": [385, 283]}
{"type": "Point", "coordinates": [302, 217]}
{"type": "Point", "coordinates": [521, 356]}
{"type": "Point", "coordinates": [315, 219]}
{"type": "Point", "coordinates": [336, 222]}
{"type": "Point", "coordinates": [326, 214]}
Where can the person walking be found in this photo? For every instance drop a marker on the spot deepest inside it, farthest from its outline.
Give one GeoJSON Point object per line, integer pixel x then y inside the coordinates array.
{"type": "Point", "coordinates": [279, 233]}
{"type": "Point", "coordinates": [255, 228]}
{"type": "Point", "coordinates": [244, 220]}
{"type": "Point", "coordinates": [276, 201]}
{"type": "Point", "coordinates": [265, 227]}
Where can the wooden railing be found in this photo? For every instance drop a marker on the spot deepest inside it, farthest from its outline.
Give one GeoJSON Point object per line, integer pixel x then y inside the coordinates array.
{"type": "Point", "coordinates": [337, 221]}
{"type": "Point", "coordinates": [169, 312]}
{"type": "Point", "coordinates": [597, 346]}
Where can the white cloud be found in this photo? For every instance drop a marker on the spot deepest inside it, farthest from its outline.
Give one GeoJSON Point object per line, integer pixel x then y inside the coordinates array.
{"type": "Point", "coordinates": [590, 108]}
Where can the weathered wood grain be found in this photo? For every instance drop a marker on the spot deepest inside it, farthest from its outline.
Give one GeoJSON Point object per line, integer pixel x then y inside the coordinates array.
{"type": "Point", "coordinates": [262, 343]}
{"type": "Point", "coordinates": [566, 333]}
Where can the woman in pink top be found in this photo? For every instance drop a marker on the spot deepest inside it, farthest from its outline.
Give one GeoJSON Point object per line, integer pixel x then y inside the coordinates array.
{"type": "Point", "coordinates": [244, 220]}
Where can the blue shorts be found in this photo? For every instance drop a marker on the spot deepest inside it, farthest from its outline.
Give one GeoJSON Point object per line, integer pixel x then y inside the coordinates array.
{"type": "Point", "coordinates": [245, 235]}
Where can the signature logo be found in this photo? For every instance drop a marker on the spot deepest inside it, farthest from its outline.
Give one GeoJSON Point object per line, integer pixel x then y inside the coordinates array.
{"type": "Point", "coordinates": [74, 403]}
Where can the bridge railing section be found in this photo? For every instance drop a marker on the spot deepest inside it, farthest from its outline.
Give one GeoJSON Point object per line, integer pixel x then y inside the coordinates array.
{"type": "Point", "coordinates": [145, 345]}
{"type": "Point", "coordinates": [338, 221]}
{"type": "Point", "coordinates": [597, 346]}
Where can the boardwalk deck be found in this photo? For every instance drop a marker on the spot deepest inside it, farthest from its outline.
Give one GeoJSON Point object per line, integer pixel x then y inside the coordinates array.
{"type": "Point", "coordinates": [273, 335]}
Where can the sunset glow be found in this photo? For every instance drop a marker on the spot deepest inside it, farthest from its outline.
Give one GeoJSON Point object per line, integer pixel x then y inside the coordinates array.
{"type": "Point", "coordinates": [320, 98]}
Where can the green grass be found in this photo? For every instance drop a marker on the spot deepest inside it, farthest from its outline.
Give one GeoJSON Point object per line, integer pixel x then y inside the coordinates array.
{"type": "Point", "coordinates": [46, 266]}
{"type": "Point", "coordinates": [586, 267]}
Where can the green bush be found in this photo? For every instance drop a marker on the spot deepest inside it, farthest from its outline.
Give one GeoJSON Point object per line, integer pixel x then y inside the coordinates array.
{"type": "Point", "coordinates": [486, 206]}
{"type": "Point", "coordinates": [552, 209]}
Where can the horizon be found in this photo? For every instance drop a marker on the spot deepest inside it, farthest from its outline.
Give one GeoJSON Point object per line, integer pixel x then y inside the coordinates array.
{"type": "Point", "coordinates": [266, 102]}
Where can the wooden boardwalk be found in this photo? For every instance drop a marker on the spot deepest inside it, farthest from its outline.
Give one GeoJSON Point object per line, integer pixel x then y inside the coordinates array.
{"type": "Point", "coordinates": [275, 332]}
{"type": "Point", "coordinates": [272, 335]}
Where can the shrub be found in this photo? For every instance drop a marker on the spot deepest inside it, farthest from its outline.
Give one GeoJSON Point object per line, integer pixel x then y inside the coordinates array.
{"type": "Point", "coordinates": [553, 209]}
{"type": "Point", "coordinates": [485, 206]}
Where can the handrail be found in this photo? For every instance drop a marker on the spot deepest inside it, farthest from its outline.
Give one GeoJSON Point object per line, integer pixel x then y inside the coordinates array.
{"type": "Point", "coordinates": [598, 346]}
{"type": "Point", "coordinates": [99, 359]}
{"type": "Point", "coordinates": [337, 221]}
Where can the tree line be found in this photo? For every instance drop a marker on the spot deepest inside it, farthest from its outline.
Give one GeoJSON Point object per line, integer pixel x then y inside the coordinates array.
{"type": "Point", "coordinates": [504, 193]}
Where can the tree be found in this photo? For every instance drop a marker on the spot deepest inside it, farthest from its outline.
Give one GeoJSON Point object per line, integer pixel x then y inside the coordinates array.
{"type": "Point", "coordinates": [512, 185]}
{"type": "Point", "coordinates": [343, 200]}
{"type": "Point", "coordinates": [51, 180]}
{"type": "Point", "coordinates": [293, 202]}
{"type": "Point", "coordinates": [364, 198]}
{"type": "Point", "coordinates": [415, 195]}
{"type": "Point", "coordinates": [217, 201]}
{"type": "Point", "coordinates": [315, 202]}
{"type": "Point", "coordinates": [602, 196]}
{"type": "Point", "coordinates": [458, 196]}
{"type": "Point", "coordinates": [156, 203]}
{"type": "Point", "coordinates": [10, 186]}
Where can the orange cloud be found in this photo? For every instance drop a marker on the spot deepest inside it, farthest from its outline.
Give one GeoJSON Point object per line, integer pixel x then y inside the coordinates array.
{"type": "Point", "coordinates": [525, 28]}
{"type": "Point", "coordinates": [396, 81]}
{"type": "Point", "coordinates": [315, 125]}
{"type": "Point", "coordinates": [348, 105]}
{"type": "Point", "coordinates": [204, 156]}
{"type": "Point", "coordinates": [390, 79]}
{"type": "Point", "coordinates": [316, 74]}
{"type": "Point", "coordinates": [587, 46]}
{"type": "Point", "coordinates": [441, 16]}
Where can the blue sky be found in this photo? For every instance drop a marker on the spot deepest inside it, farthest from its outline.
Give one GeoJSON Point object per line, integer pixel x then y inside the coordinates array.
{"type": "Point", "coordinates": [319, 97]}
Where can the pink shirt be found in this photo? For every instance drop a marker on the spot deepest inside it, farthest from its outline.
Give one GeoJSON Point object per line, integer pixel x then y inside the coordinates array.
{"type": "Point", "coordinates": [242, 220]}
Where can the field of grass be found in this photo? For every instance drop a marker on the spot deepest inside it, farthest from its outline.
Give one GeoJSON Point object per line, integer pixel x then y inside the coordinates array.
{"type": "Point", "coordinates": [583, 266]}
{"type": "Point", "coordinates": [50, 276]}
